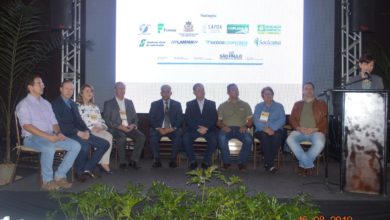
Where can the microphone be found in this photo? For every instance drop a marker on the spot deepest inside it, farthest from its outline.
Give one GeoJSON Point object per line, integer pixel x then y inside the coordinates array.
{"type": "Point", "coordinates": [367, 76]}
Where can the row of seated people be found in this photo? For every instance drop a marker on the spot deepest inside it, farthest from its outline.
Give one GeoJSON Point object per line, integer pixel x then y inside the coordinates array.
{"type": "Point", "coordinates": [77, 127]}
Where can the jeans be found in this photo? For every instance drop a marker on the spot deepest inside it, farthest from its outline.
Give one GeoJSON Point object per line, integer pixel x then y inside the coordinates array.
{"type": "Point", "coordinates": [245, 138]}
{"type": "Point", "coordinates": [99, 145]}
{"type": "Point", "coordinates": [306, 158]}
{"type": "Point", "coordinates": [154, 140]}
{"type": "Point", "coordinates": [188, 141]}
{"type": "Point", "coordinates": [270, 145]}
{"type": "Point", "coordinates": [47, 150]}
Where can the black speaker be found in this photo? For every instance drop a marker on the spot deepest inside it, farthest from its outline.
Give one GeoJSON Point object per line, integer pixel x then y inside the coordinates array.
{"type": "Point", "coordinates": [362, 15]}
{"type": "Point", "coordinates": [61, 14]}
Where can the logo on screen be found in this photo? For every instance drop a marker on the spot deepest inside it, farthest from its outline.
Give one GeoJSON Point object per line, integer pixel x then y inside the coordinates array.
{"type": "Point", "coordinates": [184, 42]}
{"type": "Point", "coordinates": [230, 56]}
{"type": "Point", "coordinates": [237, 28]}
{"type": "Point", "coordinates": [212, 28]}
{"type": "Point", "coordinates": [147, 43]}
{"type": "Point", "coordinates": [142, 43]}
{"type": "Point", "coordinates": [221, 42]}
{"type": "Point", "coordinates": [269, 29]}
{"type": "Point", "coordinates": [188, 27]}
{"type": "Point", "coordinates": [259, 42]}
{"type": "Point", "coordinates": [188, 30]}
{"type": "Point", "coordinates": [144, 29]}
{"type": "Point", "coordinates": [161, 29]}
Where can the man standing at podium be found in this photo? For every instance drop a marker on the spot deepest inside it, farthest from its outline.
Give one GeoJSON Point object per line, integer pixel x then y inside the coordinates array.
{"type": "Point", "coordinates": [368, 80]}
{"type": "Point", "coordinates": [309, 120]}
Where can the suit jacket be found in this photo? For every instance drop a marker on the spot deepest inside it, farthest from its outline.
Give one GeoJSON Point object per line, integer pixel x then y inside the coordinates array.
{"type": "Point", "coordinates": [111, 113]}
{"type": "Point", "coordinates": [69, 119]}
{"type": "Point", "coordinates": [320, 111]}
{"type": "Point", "coordinates": [193, 117]}
{"type": "Point", "coordinates": [156, 114]}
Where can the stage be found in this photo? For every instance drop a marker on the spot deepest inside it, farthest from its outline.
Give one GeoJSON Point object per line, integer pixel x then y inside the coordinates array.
{"type": "Point", "coordinates": [24, 199]}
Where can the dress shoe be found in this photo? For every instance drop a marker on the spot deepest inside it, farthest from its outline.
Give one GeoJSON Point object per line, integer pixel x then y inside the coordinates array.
{"type": "Point", "coordinates": [193, 165]}
{"type": "Point", "coordinates": [272, 170]}
{"type": "Point", "coordinates": [102, 169]}
{"type": "Point", "coordinates": [157, 164]}
{"type": "Point", "coordinates": [205, 166]}
{"type": "Point", "coordinates": [241, 167]}
{"type": "Point", "coordinates": [89, 174]}
{"type": "Point", "coordinates": [226, 166]}
{"type": "Point", "coordinates": [123, 166]}
{"type": "Point", "coordinates": [134, 165]}
{"type": "Point", "coordinates": [172, 164]}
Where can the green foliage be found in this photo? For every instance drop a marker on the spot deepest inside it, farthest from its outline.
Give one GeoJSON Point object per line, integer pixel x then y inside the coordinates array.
{"type": "Point", "coordinates": [22, 51]}
{"type": "Point", "coordinates": [228, 201]}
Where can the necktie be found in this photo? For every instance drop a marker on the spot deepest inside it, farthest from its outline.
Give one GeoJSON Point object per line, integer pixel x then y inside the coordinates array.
{"type": "Point", "coordinates": [167, 120]}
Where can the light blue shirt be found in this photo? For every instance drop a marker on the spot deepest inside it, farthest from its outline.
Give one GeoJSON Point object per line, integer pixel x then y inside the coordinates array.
{"type": "Point", "coordinates": [276, 118]}
{"type": "Point", "coordinates": [37, 112]}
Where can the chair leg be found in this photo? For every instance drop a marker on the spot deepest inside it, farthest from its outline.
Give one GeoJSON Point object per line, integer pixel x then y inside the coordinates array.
{"type": "Point", "coordinates": [16, 166]}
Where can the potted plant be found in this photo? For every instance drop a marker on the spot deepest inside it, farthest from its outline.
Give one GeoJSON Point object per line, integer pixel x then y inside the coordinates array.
{"type": "Point", "coordinates": [22, 51]}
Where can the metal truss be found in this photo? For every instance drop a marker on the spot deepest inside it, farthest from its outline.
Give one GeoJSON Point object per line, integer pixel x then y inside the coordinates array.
{"type": "Point", "coordinates": [71, 49]}
{"type": "Point", "coordinates": [351, 45]}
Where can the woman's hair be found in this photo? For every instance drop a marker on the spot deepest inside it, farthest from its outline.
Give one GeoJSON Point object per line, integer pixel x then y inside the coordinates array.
{"type": "Point", "coordinates": [80, 98]}
{"type": "Point", "coordinates": [266, 89]}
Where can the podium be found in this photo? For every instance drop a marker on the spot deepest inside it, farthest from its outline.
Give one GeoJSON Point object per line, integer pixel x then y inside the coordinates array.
{"type": "Point", "coordinates": [363, 115]}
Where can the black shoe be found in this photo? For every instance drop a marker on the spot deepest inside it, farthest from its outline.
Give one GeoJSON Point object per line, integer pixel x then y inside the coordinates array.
{"type": "Point", "coordinates": [123, 166]}
{"type": "Point", "coordinates": [226, 166]}
{"type": "Point", "coordinates": [102, 169]}
{"type": "Point", "coordinates": [205, 166]}
{"type": "Point", "coordinates": [89, 174]}
{"type": "Point", "coordinates": [172, 164]}
{"type": "Point", "coordinates": [157, 164]}
{"type": "Point", "coordinates": [272, 170]}
{"type": "Point", "coordinates": [193, 165]}
{"type": "Point", "coordinates": [241, 167]}
{"type": "Point", "coordinates": [134, 165]}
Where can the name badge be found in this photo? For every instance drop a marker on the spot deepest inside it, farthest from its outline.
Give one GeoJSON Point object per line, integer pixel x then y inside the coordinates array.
{"type": "Point", "coordinates": [264, 116]}
{"type": "Point", "coordinates": [93, 117]}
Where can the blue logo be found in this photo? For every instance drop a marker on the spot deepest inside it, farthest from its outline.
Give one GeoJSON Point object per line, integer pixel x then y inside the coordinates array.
{"type": "Point", "coordinates": [144, 28]}
{"type": "Point", "coordinates": [184, 42]}
{"type": "Point", "coordinates": [221, 42]}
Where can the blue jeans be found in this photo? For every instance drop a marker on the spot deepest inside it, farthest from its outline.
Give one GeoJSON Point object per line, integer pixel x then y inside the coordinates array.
{"type": "Point", "coordinates": [188, 141]}
{"type": "Point", "coordinates": [82, 162]}
{"type": "Point", "coordinates": [245, 138]}
{"type": "Point", "coordinates": [47, 150]}
{"type": "Point", "coordinates": [306, 158]}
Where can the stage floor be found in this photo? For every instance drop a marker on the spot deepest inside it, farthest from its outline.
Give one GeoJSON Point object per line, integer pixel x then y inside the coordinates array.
{"type": "Point", "coordinates": [24, 199]}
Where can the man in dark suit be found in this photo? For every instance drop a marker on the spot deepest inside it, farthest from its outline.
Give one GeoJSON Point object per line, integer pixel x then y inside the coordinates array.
{"type": "Point", "coordinates": [200, 118]}
{"type": "Point", "coordinates": [122, 121]}
{"type": "Point", "coordinates": [166, 117]}
{"type": "Point", "coordinates": [73, 126]}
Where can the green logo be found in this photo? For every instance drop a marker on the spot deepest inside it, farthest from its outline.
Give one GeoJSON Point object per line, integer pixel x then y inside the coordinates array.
{"type": "Point", "coordinates": [237, 28]}
{"type": "Point", "coordinates": [160, 27]}
{"type": "Point", "coordinates": [142, 43]}
{"type": "Point", "coordinates": [269, 29]}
